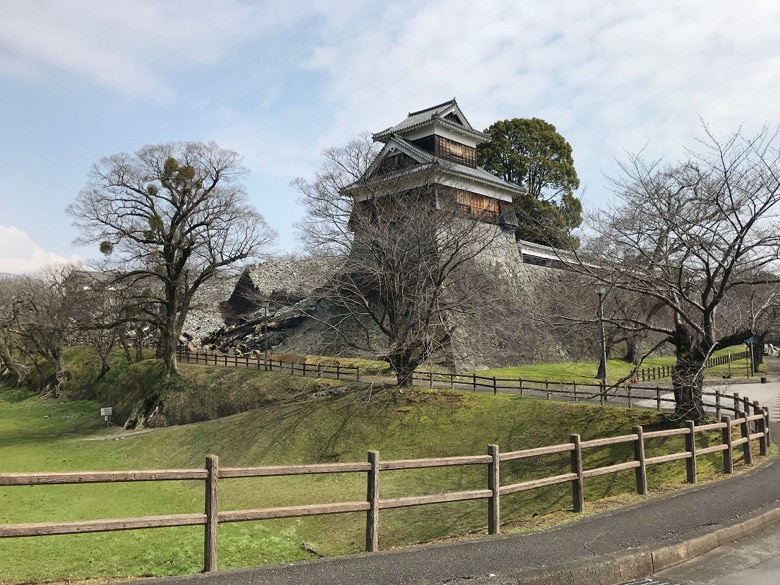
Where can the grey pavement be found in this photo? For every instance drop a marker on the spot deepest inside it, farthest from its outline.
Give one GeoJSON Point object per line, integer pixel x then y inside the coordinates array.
{"type": "Point", "coordinates": [605, 549]}
{"type": "Point", "coordinates": [753, 559]}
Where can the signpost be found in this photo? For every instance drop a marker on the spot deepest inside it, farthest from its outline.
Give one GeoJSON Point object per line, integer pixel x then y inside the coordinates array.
{"type": "Point", "coordinates": [106, 413]}
{"type": "Point", "coordinates": [751, 366]}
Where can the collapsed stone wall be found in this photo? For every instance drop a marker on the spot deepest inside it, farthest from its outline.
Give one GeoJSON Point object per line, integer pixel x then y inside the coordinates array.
{"type": "Point", "coordinates": [511, 327]}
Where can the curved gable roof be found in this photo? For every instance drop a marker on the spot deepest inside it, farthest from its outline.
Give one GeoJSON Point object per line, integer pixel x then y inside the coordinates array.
{"type": "Point", "coordinates": [447, 115]}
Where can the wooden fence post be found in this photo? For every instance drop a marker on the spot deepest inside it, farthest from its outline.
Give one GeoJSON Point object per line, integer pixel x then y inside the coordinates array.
{"type": "Point", "coordinates": [690, 446]}
{"type": "Point", "coordinates": [658, 398]}
{"type": "Point", "coordinates": [474, 380]}
{"type": "Point", "coordinates": [547, 388]}
{"type": "Point", "coordinates": [766, 425]}
{"type": "Point", "coordinates": [357, 373]}
{"type": "Point", "coordinates": [212, 509]}
{"type": "Point", "coordinates": [494, 485]}
{"type": "Point", "coordinates": [717, 404]}
{"type": "Point", "coordinates": [521, 386]}
{"type": "Point", "coordinates": [728, 456]}
{"type": "Point", "coordinates": [639, 455]}
{"type": "Point", "coordinates": [763, 446]}
{"type": "Point", "coordinates": [629, 395]}
{"type": "Point", "coordinates": [577, 488]}
{"type": "Point", "coordinates": [574, 386]}
{"type": "Point", "coordinates": [495, 388]}
{"type": "Point", "coordinates": [744, 427]}
{"type": "Point", "coordinates": [372, 496]}
{"type": "Point", "coordinates": [736, 404]}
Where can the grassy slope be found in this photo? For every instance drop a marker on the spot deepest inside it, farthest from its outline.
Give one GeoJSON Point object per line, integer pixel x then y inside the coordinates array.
{"type": "Point", "coordinates": [38, 435]}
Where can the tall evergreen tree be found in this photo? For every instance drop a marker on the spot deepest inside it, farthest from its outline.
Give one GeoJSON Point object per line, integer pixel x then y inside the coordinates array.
{"type": "Point", "coordinates": [531, 153]}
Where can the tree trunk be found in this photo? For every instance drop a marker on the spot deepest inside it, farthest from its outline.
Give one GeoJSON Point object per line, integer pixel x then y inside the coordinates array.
{"type": "Point", "coordinates": [404, 368]}
{"type": "Point", "coordinates": [166, 348]}
{"type": "Point", "coordinates": [62, 375]}
{"type": "Point", "coordinates": [18, 369]}
{"type": "Point", "coordinates": [632, 350]}
{"type": "Point", "coordinates": [687, 381]}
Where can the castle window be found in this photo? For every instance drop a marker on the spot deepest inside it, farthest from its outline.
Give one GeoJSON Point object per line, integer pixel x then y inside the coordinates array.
{"type": "Point", "coordinates": [456, 152]}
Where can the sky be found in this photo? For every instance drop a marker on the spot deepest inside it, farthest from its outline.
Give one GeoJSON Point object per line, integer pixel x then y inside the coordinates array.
{"type": "Point", "coordinates": [279, 82]}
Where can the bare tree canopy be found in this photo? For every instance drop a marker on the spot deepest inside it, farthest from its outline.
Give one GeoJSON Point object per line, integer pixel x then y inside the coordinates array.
{"type": "Point", "coordinates": [168, 218]}
{"type": "Point", "coordinates": [692, 237]}
{"type": "Point", "coordinates": [408, 248]}
{"type": "Point", "coordinates": [38, 316]}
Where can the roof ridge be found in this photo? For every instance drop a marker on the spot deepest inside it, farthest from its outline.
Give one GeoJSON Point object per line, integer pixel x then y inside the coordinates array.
{"type": "Point", "coordinates": [447, 103]}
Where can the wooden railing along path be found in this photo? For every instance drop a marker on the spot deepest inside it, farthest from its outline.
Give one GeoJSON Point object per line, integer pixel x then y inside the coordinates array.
{"type": "Point", "coordinates": [627, 393]}
{"type": "Point", "coordinates": [318, 370]}
{"type": "Point", "coordinates": [660, 372]}
{"type": "Point", "coordinates": [752, 427]}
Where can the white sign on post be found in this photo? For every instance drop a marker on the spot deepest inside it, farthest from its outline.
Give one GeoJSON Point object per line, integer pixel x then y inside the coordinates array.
{"type": "Point", "coordinates": [106, 411]}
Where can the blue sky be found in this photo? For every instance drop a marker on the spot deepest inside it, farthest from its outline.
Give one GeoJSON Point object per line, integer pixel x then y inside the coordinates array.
{"type": "Point", "coordinates": [281, 81]}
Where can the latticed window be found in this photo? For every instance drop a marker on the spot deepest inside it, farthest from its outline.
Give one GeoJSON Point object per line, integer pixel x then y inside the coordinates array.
{"type": "Point", "coordinates": [478, 206]}
{"type": "Point", "coordinates": [456, 152]}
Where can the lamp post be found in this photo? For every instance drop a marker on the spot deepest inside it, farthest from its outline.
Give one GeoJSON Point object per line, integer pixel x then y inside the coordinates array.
{"type": "Point", "coordinates": [601, 290]}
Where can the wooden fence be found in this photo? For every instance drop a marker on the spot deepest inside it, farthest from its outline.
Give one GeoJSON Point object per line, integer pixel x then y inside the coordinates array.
{"type": "Point", "coordinates": [627, 394]}
{"type": "Point", "coordinates": [752, 427]}
{"type": "Point", "coordinates": [660, 372]}
{"type": "Point", "coordinates": [319, 370]}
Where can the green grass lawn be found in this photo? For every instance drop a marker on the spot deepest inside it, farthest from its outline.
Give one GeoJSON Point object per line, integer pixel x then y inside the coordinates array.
{"type": "Point", "coordinates": [585, 372]}
{"type": "Point", "coordinates": [52, 435]}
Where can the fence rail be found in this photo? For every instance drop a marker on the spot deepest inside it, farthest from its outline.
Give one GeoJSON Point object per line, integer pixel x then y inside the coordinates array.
{"type": "Point", "coordinates": [628, 394]}
{"type": "Point", "coordinates": [751, 420]}
{"type": "Point", "coordinates": [660, 372]}
{"type": "Point", "coordinates": [568, 390]}
{"type": "Point", "coordinates": [319, 370]}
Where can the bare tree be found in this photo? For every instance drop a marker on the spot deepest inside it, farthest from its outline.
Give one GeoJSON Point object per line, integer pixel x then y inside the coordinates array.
{"type": "Point", "coordinates": [37, 318]}
{"type": "Point", "coordinates": [687, 237]}
{"type": "Point", "coordinates": [168, 218]}
{"type": "Point", "coordinates": [14, 365]}
{"type": "Point", "coordinates": [409, 254]}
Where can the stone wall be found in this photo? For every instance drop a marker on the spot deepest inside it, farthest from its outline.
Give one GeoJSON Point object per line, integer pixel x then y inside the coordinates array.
{"type": "Point", "coordinates": [510, 326]}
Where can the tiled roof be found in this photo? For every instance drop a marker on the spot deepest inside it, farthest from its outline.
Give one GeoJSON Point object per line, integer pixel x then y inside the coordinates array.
{"type": "Point", "coordinates": [426, 116]}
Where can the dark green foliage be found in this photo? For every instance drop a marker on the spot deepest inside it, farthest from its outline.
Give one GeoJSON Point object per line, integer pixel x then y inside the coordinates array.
{"type": "Point", "coordinates": [532, 154]}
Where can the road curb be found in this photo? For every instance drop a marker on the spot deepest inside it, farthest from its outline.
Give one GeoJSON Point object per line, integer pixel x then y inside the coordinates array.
{"type": "Point", "coordinates": [614, 568]}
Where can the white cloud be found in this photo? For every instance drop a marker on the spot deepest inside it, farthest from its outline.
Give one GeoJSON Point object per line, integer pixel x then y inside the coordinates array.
{"type": "Point", "coordinates": [20, 254]}
{"type": "Point", "coordinates": [613, 77]}
{"type": "Point", "coordinates": [133, 47]}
